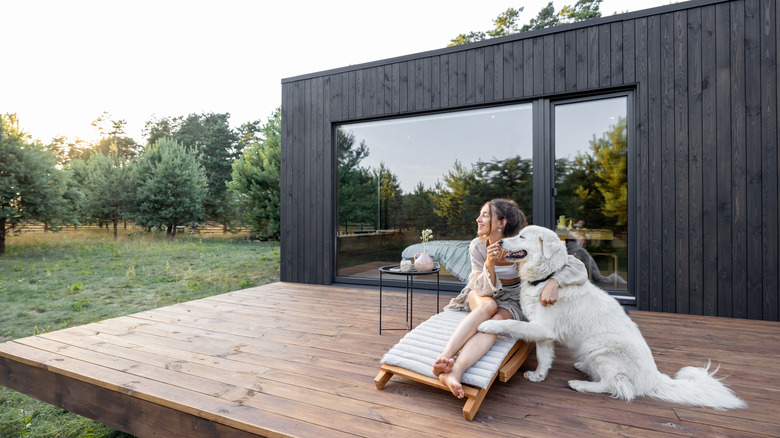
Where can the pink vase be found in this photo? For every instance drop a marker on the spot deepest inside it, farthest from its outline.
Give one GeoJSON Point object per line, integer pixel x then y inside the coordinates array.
{"type": "Point", "coordinates": [423, 262]}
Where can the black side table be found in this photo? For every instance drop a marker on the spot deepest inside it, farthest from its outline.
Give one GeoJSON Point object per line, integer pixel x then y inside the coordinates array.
{"type": "Point", "coordinates": [396, 270]}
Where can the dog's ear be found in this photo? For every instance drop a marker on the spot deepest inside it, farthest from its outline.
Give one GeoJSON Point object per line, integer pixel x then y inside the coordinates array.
{"type": "Point", "coordinates": [549, 245]}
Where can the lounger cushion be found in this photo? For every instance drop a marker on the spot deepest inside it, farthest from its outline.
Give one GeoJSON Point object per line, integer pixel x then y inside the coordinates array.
{"type": "Point", "coordinates": [418, 349]}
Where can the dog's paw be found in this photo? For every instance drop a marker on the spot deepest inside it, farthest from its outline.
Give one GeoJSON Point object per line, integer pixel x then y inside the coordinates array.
{"type": "Point", "coordinates": [490, 327]}
{"type": "Point", "coordinates": [535, 376]}
{"type": "Point", "coordinates": [578, 385]}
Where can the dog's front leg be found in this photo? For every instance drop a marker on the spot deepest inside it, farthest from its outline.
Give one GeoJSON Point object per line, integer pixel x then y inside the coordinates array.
{"type": "Point", "coordinates": [527, 331]}
{"type": "Point", "coordinates": [545, 353]}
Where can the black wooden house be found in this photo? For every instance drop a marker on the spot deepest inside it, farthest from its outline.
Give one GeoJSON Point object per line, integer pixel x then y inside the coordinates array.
{"type": "Point", "coordinates": [685, 95]}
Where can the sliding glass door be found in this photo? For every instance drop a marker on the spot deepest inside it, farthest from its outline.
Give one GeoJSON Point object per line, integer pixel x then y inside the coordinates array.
{"type": "Point", "coordinates": [590, 146]}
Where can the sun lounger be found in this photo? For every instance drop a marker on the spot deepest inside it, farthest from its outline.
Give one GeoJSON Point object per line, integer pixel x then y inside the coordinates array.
{"type": "Point", "coordinates": [413, 356]}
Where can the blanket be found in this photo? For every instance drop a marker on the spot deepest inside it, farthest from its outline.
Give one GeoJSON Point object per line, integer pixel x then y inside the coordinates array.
{"type": "Point", "coordinates": [452, 254]}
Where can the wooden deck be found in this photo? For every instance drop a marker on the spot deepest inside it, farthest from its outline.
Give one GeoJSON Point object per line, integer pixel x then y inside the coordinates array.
{"type": "Point", "coordinates": [299, 360]}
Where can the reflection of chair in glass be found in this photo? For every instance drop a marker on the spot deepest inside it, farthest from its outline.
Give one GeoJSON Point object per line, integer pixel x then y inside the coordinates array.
{"type": "Point", "coordinates": [613, 280]}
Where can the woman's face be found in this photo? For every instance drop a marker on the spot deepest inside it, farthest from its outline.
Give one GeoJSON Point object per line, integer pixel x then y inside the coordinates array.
{"type": "Point", "coordinates": [486, 223]}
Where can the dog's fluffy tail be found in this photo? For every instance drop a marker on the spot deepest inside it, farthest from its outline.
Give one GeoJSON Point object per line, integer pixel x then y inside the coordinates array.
{"type": "Point", "coordinates": [698, 387]}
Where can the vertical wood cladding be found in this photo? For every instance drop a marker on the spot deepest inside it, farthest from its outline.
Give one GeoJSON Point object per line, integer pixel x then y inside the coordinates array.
{"type": "Point", "coordinates": [705, 121]}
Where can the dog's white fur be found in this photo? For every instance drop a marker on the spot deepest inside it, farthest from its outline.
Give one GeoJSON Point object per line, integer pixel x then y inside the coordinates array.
{"type": "Point", "coordinates": [606, 343]}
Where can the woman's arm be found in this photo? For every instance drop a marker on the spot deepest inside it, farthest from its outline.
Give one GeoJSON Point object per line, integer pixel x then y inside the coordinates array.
{"type": "Point", "coordinates": [482, 278]}
{"type": "Point", "coordinates": [549, 294]}
{"type": "Point", "coordinates": [490, 261]}
{"type": "Point", "coordinates": [573, 272]}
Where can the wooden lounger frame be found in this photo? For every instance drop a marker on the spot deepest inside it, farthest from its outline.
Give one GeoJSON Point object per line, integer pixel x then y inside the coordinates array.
{"type": "Point", "coordinates": [474, 395]}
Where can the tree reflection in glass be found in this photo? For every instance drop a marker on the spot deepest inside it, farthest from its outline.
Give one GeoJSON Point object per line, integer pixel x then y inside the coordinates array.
{"type": "Point", "coordinates": [591, 176]}
{"type": "Point", "coordinates": [399, 176]}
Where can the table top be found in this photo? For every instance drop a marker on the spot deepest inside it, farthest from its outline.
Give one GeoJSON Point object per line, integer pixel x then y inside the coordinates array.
{"type": "Point", "coordinates": [396, 269]}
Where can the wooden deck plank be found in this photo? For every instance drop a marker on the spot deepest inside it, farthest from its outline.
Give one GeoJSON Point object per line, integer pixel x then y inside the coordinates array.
{"type": "Point", "coordinates": [299, 360]}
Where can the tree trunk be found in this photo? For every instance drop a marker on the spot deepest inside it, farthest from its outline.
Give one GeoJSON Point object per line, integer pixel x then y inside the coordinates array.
{"type": "Point", "coordinates": [116, 222]}
{"type": "Point", "coordinates": [168, 231]}
{"type": "Point", "coordinates": [2, 236]}
{"type": "Point", "coordinates": [224, 228]}
{"type": "Point", "coordinates": [173, 233]}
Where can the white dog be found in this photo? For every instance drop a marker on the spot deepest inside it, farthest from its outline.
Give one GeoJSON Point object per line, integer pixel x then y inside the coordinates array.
{"type": "Point", "coordinates": [605, 342]}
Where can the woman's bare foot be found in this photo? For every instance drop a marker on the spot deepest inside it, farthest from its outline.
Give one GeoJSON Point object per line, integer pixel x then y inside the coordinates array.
{"type": "Point", "coordinates": [443, 365]}
{"type": "Point", "coordinates": [452, 382]}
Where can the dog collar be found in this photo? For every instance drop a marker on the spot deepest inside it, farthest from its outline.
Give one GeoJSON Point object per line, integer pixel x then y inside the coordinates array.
{"type": "Point", "coordinates": [536, 282]}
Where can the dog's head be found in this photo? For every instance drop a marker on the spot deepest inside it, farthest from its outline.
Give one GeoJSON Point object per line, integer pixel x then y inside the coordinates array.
{"type": "Point", "coordinates": [539, 251]}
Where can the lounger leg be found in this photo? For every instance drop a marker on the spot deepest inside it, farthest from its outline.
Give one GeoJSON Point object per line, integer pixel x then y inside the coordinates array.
{"type": "Point", "coordinates": [473, 403]}
{"type": "Point", "coordinates": [515, 361]}
{"type": "Point", "coordinates": [382, 378]}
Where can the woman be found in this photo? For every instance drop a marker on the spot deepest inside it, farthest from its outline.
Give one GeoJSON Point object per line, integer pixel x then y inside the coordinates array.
{"type": "Point", "coordinates": [493, 291]}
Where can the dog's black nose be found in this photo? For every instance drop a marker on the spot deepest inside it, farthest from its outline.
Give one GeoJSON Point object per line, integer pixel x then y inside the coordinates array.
{"type": "Point", "coordinates": [500, 242]}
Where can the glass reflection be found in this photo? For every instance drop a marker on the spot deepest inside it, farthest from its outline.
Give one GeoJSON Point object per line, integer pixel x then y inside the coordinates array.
{"type": "Point", "coordinates": [591, 177]}
{"type": "Point", "coordinates": [398, 177]}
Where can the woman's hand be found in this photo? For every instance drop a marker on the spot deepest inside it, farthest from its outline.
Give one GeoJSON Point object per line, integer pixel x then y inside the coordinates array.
{"type": "Point", "coordinates": [494, 253]}
{"type": "Point", "coordinates": [549, 293]}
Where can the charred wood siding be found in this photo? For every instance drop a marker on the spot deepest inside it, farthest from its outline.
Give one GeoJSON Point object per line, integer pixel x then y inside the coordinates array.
{"type": "Point", "coordinates": [705, 149]}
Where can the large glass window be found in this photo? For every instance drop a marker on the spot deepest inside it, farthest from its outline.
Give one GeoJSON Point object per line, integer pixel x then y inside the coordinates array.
{"type": "Point", "coordinates": [398, 177]}
{"type": "Point", "coordinates": [591, 206]}
{"type": "Point", "coordinates": [401, 176]}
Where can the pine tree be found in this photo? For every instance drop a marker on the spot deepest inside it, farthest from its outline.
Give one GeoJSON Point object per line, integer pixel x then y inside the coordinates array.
{"type": "Point", "coordinates": [31, 187]}
{"type": "Point", "coordinates": [169, 186]}
{"type": "Point", "coordinates": [256, 180]}
{"type": "Point", "coordinates": [450, 197]}
{"type": "Point", "coordinates": [216, 147]}
{"type": "Point", "coordinates": [112, 138]}
{"type": "Point", "coordinates": [106, 191]}
{"type": "Point", "coordinates": [357, 187]}
{"type": "Point", "coordinates": [612, 153]}
{"type": "Point", "coordinates": [506, 22]}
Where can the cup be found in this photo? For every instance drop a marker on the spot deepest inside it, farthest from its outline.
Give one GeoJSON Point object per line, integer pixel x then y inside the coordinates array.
{"type": "Point", "coordinates": [406, 265]}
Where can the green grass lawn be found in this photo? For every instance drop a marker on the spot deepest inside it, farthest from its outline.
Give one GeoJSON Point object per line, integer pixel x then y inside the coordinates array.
{"type": "Point", "coordinates": [51, 281]}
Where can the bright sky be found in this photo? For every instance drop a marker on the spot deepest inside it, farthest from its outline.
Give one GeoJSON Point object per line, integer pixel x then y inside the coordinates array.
{"type": "Point", "coordinates": [65, 62]}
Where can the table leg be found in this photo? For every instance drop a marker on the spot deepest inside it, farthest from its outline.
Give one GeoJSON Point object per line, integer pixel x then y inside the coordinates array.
{"type": "Point", "coordinates": [437, 292]}
{"type": "Point", "coordinates": [411, 302]}
{"type": "Point", "coordinates": [380, 303]}
{"type": "Point", "coordinates": [406, 304]}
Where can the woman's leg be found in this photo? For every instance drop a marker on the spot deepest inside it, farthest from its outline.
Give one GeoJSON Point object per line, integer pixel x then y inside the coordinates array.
{"type": "Point", "coordinates": [472, 351]}
{"type": "Point", "coordinates": [482, 309]}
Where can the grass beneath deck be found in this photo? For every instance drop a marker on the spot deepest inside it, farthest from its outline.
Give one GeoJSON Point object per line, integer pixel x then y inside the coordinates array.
{"type": "Point", "coordinates": [50, 281]}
